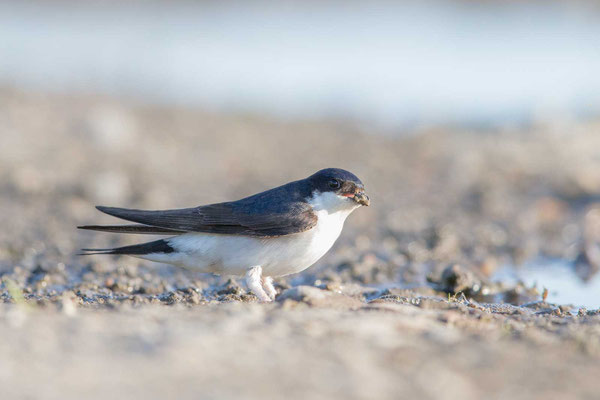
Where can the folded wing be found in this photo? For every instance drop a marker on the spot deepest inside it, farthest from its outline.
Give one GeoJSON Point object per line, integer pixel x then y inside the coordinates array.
{"type": "Point", "coordinates": [233, 218]}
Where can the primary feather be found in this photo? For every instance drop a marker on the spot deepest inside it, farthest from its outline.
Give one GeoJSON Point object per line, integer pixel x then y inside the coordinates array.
{"type": "Point", "coordinates": [143, 229]}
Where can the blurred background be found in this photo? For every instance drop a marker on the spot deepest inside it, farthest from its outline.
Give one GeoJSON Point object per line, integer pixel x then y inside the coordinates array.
{"type": "Point", "coordinates": [473, 124]}
{"type": "Point", "coordinates": [399, 64]}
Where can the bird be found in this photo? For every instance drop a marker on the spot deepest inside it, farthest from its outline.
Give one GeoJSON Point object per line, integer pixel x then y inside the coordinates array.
{"type": "Point", "coordinates": [274, 233]}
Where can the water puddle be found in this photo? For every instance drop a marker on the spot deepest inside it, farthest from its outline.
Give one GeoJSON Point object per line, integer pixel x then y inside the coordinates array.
{"type": "Point", "coordinates": [558, 276]}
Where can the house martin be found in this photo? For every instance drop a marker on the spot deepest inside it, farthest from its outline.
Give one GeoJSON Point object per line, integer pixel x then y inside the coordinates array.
{"type": "Point", "coordinates": [274, 233]}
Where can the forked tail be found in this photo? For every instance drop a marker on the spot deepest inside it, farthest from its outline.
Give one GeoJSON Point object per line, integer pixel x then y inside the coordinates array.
{"type": "Point", "coordinates": [158, 246]}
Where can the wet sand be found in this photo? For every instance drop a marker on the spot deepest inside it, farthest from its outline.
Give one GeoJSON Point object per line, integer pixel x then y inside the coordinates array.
{"type": "Point", "coordinates": [403, 305]}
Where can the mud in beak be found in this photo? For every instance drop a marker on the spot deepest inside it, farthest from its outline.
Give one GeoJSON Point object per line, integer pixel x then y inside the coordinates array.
{"type": "Point", "coordinates": [360, 197]}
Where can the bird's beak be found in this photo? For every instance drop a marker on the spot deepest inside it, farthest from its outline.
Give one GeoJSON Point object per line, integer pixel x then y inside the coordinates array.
{"type": "Point", "coordinates": [362, 198]}
{"type": "Point", "coordinates": [357, 193]}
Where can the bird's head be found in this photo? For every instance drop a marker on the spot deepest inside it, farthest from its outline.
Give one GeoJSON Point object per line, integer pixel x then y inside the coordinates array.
{"type": "Point", "coordinates": [340, 187]}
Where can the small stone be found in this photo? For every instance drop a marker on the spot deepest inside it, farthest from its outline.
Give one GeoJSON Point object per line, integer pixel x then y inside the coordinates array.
{"type": "Point", "coordinates": [456, 279]}
{"type": "Point", "coordinates": [319, 298]}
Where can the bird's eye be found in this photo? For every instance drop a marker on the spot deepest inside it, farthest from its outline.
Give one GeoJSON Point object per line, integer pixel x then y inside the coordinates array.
{"type": "Point", "coordinates": [334, 184]}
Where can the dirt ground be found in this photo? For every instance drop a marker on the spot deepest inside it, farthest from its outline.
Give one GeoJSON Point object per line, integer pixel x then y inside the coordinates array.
{"type": "Point", "coordinates": [403, 305]}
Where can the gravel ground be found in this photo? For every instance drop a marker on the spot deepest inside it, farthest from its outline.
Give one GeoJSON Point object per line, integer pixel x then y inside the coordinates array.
{"type": "Point", "coordinates": [403, 305]}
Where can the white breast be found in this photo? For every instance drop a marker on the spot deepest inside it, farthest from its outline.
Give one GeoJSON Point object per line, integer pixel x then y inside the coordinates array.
{"type": "Point", "coordinates": [233, 255]}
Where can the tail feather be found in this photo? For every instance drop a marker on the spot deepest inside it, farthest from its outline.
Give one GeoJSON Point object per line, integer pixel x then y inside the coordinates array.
{"type": "Point", "coordinates": [157, 246]}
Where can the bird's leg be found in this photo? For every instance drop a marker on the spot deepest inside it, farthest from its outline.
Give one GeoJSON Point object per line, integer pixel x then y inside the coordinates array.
{"type": "Point", "coordinates": [253, 280]}
{"type": "Point", "coordinates": [267, 284]}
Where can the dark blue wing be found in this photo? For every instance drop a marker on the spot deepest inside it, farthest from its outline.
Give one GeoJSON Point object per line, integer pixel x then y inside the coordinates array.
{"type": "Point", "coordinates": [276, 212]}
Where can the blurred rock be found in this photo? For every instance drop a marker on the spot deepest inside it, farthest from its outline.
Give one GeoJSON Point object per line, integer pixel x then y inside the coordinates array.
{"type": "Point", "coordinates": [455, 279]}
{"type": "Point", "coordinates": [28, 180]}
{"type": "Point", "coordinates": [110, 187]}
{"type": "Point", "coordinates": [318, 298]}
{"type": "Point", "coordinates": [112, 128]}
{"type": "Point", "coordinates": [587, 263]}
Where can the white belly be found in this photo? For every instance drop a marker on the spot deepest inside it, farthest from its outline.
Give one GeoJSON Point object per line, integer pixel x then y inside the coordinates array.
{"type": "Point", "coordinates": [233, 255]}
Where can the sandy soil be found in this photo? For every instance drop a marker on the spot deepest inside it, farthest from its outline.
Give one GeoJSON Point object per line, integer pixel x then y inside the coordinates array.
{"type": "Point", "coordinates": [402, 306]}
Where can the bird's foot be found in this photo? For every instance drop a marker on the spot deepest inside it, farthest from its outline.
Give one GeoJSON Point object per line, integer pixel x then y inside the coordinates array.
{"type": "Point", "coordinates": [254, 282]}
{"type": "Point", "coordinates": [267, 284]}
